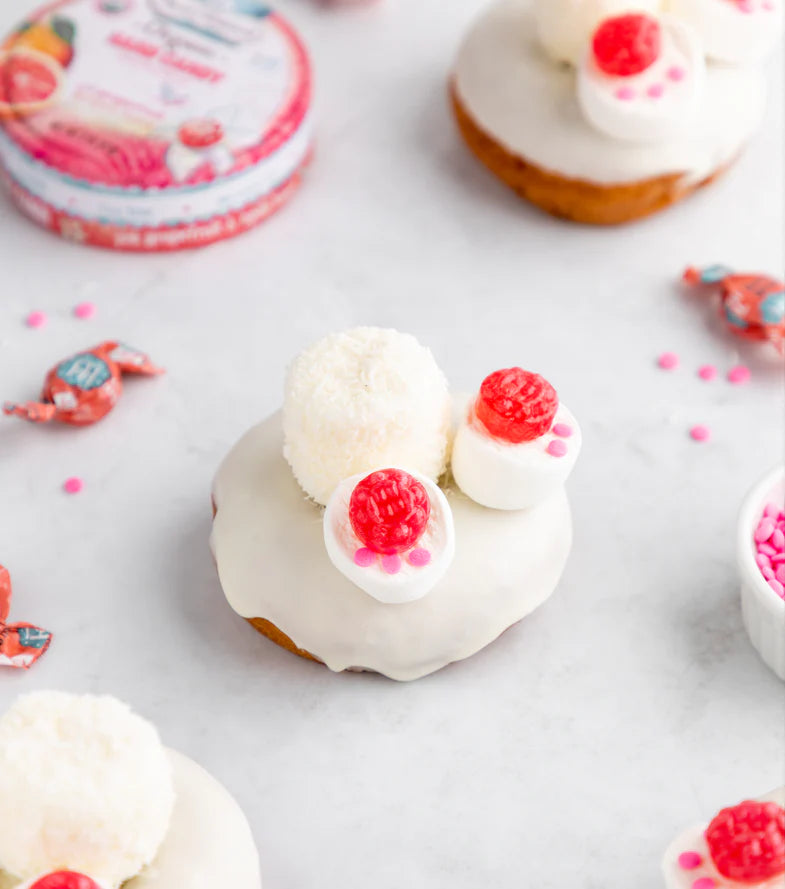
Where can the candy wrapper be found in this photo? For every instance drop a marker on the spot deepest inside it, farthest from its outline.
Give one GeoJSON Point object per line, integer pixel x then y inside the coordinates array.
{"type": "Point", "coordinates": [753, 306]}
{"type": "Point", "coordinates": [83, 389]}
{"type": "Point", "coordinates": [21, 645]}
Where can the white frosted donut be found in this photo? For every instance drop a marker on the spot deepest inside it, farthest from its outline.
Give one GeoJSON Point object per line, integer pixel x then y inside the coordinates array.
{"type": "Point", "coordinates": [269, 549]}
{"type": "Point", "coordinates": [208, 841]}
{"type": "Point", "coordinates": [361, 399]}
{"type": "Point", "coordinates": [515, 93]}
{"type": "Point", "coordinates": [565, 26]}
{"type": "Point", "coordinates": [91, 788]}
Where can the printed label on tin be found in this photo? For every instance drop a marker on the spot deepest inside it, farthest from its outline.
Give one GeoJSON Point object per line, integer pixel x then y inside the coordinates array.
{"type": "Point", "coordinates": [156, 99]}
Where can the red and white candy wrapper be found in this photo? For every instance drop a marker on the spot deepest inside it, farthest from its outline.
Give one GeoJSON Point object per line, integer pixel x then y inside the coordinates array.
{"type": "Point", "coordinates": [83, 389]}
{"type": "Point", "coordinates": [21, 645]}
{"type": "Point", "coordinates": [753, 306]}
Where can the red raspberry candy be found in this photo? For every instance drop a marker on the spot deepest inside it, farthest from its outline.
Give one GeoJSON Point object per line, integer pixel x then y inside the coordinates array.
{"type": "Point", "coordinates": [65, 879]}
{"type": "Point", "coordinates": [747, 842]}
{"type": "Point", "coordinates": [627, 44]}
{"type": "Point", "coordinates": [389, 511]}
{"type": "Point", "coordinates": [516, 405]}
{"type": "Point", "coordinates": [201, 133]}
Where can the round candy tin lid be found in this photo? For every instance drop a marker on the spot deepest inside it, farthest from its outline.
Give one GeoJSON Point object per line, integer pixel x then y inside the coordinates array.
{"type": "Point", "coordinates": [153, 124]}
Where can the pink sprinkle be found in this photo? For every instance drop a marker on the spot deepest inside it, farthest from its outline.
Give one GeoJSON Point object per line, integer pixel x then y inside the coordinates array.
{"type": "Point", "coordinates": [84, 311]}
{"type": "Point", "coordinates": [419, 557]}
{"type": "Point", "coordinates": [767, 550]}
{"type": "Point", "coordinates": [676, 73]}
{"type": "Point", "coordinates": [391, 564]}
{"type": "Point", "coordinates": [655, 91]}
{"type": "Point", "coordinates": [625, 93]}
{"type": "Point", "coordinates": [739, 375]}
{"type": "Point", "coordinates": [762, 561]}
{"type": "Point", "coordinates": [700, 433]}
{"type": "Point", "coordinates": [563, 430]}
{"type": "Point", "coordinates": [771, 509]}
{"type": "Point", "coordinates": [668, 361]}
{"type": "Point", "coordinates": [778, 559]}
{"type": "Point", "coordinates": [778, 588]}
{"type": "Point", "coordinates": [557, 449]}
{"type": "Point", "coordinates": [779, 574]}
{"type": "Point", "coordinates": [689, 860]}
{"type": "Point", "coordinates": [36, 319]}
{"type": "Point", "coordinates": [73, 485]}
{"type": "Point", "coordinates": [768, 572]}
{"type": "Point", "coordinates": [707, 372]}
{"type": "Point", "coordinates": [364, 557]}
{"type": "Point", "coordinates": [704, 883]}
{"type": "Point", "coordinates": [764, 530]}
{"type": "Point", "coordinates": [778, 540]}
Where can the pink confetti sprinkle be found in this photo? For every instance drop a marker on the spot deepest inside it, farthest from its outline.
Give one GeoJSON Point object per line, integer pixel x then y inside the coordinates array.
{"type": "Point", "coordinates": [563, 430]}
{"type": "Point", "coordinates": [85, 311]}
{"type": "Point", "coordinates": [676, 73]}
{"type": "Point", "coordinates": [764, 530]}
{"type": "Point", "coordinates": [700, 433]}
{"type": "Point", "coordinates": [557, 449]}
{"type": "Point", "coordinates": [655, 91]}
{"type": "Point", "coordinates": [778, 588]}
{"type": "Point", "coordinates": [707, 372]}
{"type": "Point", "coordinates": [419, 558]}
{"type": "Point", "coordinates": [704, 883]}
{"type": "Point", "coordinates": [762, 561]}
{"type": "Point", "coordinates": [739, 375]}
{"type": "Point", "coordinates": [625, 93]}
{"type": "Point", "coordinates": [36, 320]}
{"type": "Point", "coordinates": [778, 540]}
{"type": "Point", "coordinates": [392, 564]}
{"type": "Point", "coordinates": [768, 572]}
{"type": "Point", "coordinates": [668, 361]}
{"type": "Point", "coordinates": [364, 557]}
{"type": "Point", "coordinates": [73, 485]}
{"type": "Point", "coordinates": [689, 860]}
{"type": "Point", "coordinates": [780, 573]}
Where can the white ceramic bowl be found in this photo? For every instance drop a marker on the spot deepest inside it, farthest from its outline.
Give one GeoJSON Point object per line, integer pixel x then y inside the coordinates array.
{"type": "Point", "coordinates": [761, 607]}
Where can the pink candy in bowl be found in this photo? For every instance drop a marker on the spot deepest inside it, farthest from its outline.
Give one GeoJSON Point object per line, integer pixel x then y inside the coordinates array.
{"type": "Point", "coordinates": [761, 557]}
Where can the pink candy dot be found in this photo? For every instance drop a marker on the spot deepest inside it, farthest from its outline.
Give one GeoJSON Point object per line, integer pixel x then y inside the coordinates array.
{"type": "Point", "coordinates": [739, 375]}
{"type": "Point", "coordinates": [364, 557]}
{"type": "Point", "coordinates": [707, 372]}
{"type": "Point", "coordinates": [392, 564]}
{"type": "Point", "coordinates": [655, 91]}
{"type": "Point", "coordinates": [36, 319]}
{"type": "Point", "coordinates": [668, 361]}
{"type": "Point", "coordinates": [704, 883]}
{"type": "Point", "coordinates": [563, 430]}
{"type": "Point", "coordinates": [557, 449]}
{"type": "Point", "coordinates": [780, 574]}
{"type": "Point", "coordinates": [419, 558]}
{"type": "Point", "coordinates": [625, 93]}
{"type": "Point", "coordinates": [73, 485]}
{"type": "Point", "coordinates": [676, 73]}
{"type": "Point", "coordinates": [84, 311]}
{"type": "Point", "coordinates": [689, 860]}
{"type": "Point", "coordinates": [700, 433]}
{"type": "Point", "coordinates": [764, 530]}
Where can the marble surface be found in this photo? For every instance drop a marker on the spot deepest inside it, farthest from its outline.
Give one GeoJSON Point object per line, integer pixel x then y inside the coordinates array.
{"type": "Point", "coordinates": [573, 749]}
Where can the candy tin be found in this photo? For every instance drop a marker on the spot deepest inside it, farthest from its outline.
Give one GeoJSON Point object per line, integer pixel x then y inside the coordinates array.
{"type": "Point", "coordinates": [153, 125]}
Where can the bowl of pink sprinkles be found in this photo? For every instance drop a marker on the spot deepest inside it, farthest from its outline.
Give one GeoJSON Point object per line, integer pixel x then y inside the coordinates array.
{"type": "Point", "coordinates": [761, 555]}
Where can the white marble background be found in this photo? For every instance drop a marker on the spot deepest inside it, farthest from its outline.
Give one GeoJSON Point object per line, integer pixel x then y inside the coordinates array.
{"type": "Point", "coordinates": [569, 752]}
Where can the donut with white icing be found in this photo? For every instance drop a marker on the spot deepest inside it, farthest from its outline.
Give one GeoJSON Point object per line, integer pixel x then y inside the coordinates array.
{"type": "Point", "coordinates": [94, 801]}
{"type": "Point", "coordinates": [401, 574]}
{"type": "Point", "coordinates": [592, 146]}
{"type": "Point", "coordinates": [742, 847]}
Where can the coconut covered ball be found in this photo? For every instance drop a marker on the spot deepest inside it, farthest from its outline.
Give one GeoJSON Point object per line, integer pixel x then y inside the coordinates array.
{"type": "Point", "coordinates": [88, 787]}
{"type": "Point", "coordinates": [362, 400]}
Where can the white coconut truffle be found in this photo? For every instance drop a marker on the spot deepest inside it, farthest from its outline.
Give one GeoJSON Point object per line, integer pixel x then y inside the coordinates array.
{"type": "Point", "coordinates": [363, 400]}
{"type": "Point", "coordinates": [87, 786]}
